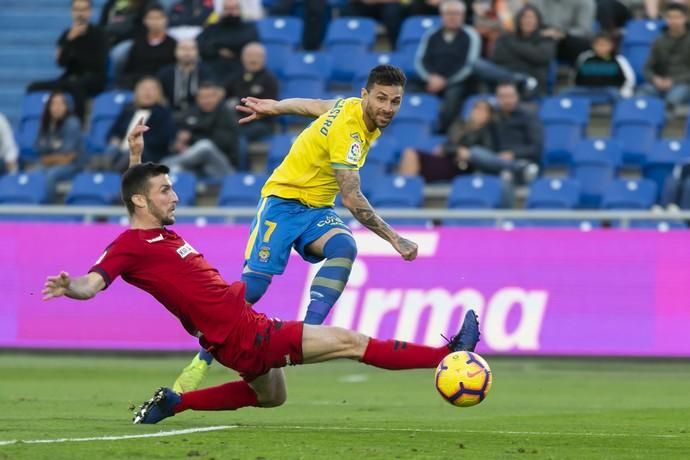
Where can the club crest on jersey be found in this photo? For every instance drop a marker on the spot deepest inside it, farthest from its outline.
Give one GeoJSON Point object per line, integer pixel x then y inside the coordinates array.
{"type": "Point", "coordinates": [186, 250]}
{"type": "Point", "coordinates": [264, 254]}
{"type": "Point", "coordinates": [354, 153]}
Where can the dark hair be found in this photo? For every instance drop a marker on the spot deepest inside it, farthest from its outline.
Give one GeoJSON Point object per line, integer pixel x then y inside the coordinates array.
{"type": "Point", "coordinates": [512, 84]}
{"type": "Point", "coordinates": [46, 117]}
{"type": "Point", "coordinates": [135, 181]}
{"type": "Point", "coordinates": [676, 7]}
{"type": "Point", "coordinates": [604, 36]}
{"type": "Point", "coordinates": [386, 75]}
{"type": "Point", "coordinates": [207, 84]}
{"type": "Point", "coordinates": [155, 7]}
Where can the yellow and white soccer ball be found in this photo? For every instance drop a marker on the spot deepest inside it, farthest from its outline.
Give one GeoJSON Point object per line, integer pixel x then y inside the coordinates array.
{"type": "Point", "coordinates": [463, 378]}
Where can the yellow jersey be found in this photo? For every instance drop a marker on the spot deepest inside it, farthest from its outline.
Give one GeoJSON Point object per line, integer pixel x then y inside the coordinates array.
{"type": "Point", "coordinates": [338, 139]}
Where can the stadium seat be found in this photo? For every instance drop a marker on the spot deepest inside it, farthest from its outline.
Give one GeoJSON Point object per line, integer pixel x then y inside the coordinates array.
{"type": "Point", "coordinates": [475, 192]}
{"type": "Point", "coordinates": [29, 123]}
{"type": "Point", "coordinates": [277, 57]}
{"type": "Point", "coordinates": [23, 188]}
{"type": "Point", "coordinates": [554, 193]}
{"type": "Point", "coordinates": [241, 189]}
{"type": "Point", "coordinates": [594, 166]}
{"type": "Point", "coordinates": [94, 188]}
{"type": "Point", "coordinates": [351, 29]}
{"type": "Point", "coordinates": [106, 108]}
{"type": "Point", "coordinates": [413, 29]}
{"type": "Point", "coordinates": [281, 29]}
{"type": "Point", "coordinates": [420, 107]}
{"type": "Point", "coordinates": [184, 184]}
{"type": "Point", "coordinates": [659, 225]}
{"type": "Point", "coordinates": [305, 86]}
{"type": "Point", "coordinates": [348, 59]}
{"type": "Point", "coordinates": [429, 143]}
{"type": "Point", "coordinates": [637, 41]}
{"type": "Point", "coordinates": [565, 123]}
{"type": "Point", "coordinates": [278, 147]}
{"type": "Point", "coordinates": [314, 65]}
{"type": "Point", "coordinates": [384, 151]}
{"type": "Point", "coordinates": [637, 124]}
{"type": "Point", "coordinates": [629, 194]}
{"type": "Point", "coordinates": [398, 192]}
{"type": "Point", "coordinates": [408, 133]}
{"type": "Point", "coordinates": [664, 156]}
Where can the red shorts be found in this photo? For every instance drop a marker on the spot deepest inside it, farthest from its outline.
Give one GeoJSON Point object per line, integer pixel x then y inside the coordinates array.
{"type": "Point", "coordinates": [260, 345]}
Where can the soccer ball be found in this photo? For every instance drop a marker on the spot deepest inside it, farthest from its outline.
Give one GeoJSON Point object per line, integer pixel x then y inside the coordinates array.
{"type": "Point", "coordinates": [463, 378]}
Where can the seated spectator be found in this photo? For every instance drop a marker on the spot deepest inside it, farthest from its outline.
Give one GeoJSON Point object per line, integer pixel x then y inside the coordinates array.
{"type": "Point", "coordinates": [122, 20]}
{"type": "Point", "coordinates": [82, 52]}
{"type": "Point", "coordinates": [602, 70]}
{"type": "Point", "coordinates": [190, 12]}
{"type": "Point", "coordinates": [570, 23]}
{"type": "Point", "coordinates": [180, 81]}
{"type": "Point", "coordinates": [151, 51]}
{"type": "Point", "coordinates": [220, 44]}
{"type": "Point", "coordinates": [448, 56]}
{"type": "Point", "coordinates": [526, 50]}
{"type": "Point", "coordinates": [612, 15]}
{"type": "Point", "coordinates": [9, 153]}
{"type": "Point", "coordinates": [667, 70]}
{"type": "Point", "coordinates": [208, 139]}
{"type": "Point", "coordinates": [254, 80]}
{"type": "Point", "coordinates": [59, 142]}
{"type": "Point", "coordinates": [450, 160]}
{"type": "Point", "coordinates": [492, 18]}
{"type": "Point", "coordinates": [389, 13]}
{"type": "Point", "coordinates": [147, 104]}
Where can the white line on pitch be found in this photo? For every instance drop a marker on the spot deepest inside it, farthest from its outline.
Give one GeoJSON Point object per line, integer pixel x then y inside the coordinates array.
{"type": "Point", "coordinates": [160, 434]}
{"type": "Point", "coordinates": [433, 430]}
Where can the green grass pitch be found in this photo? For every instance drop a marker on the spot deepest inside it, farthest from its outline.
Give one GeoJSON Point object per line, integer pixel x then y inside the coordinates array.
{"type": "Point", "coordinates": [538, 408]}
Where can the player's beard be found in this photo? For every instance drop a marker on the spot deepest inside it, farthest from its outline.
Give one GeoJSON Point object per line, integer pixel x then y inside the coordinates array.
{"type": "Point", "coordinates": [371, 113]}
{"type": "Point", "coordinates": [159, 214]}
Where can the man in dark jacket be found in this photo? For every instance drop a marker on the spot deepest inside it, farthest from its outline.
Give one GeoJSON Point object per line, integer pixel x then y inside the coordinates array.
{"type": "Point", "coordinates": [82, 52]}
{"type": "Point", "coordinates": [220, 44]}
{"type": "Point", "coordinates": [526, 50]}
{"type": "Point", "coordinates": [667, 70]}
{"type": "Point", "coordinates": [254, 80]}
{"type": "Point", "coordinates": [208, 138]}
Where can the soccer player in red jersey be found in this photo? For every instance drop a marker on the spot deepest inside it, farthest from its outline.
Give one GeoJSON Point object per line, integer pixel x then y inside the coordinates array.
{"type": "Point", "coordinates": [159, 261]}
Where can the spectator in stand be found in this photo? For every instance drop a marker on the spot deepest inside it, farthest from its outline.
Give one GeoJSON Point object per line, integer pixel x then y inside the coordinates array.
{"type": "Point", "coordinates": [388, 12]}
{"type": "Point", "coordinates": [220, 44]}
{"type": "Point", "coordinates": [654, 8]}
{"type": "Point", "coordinates": [448, 57]}
{"type": "Point", "coordinates": [526, 50]}
{"type": "Point", "coordinates": [492, 18]}
{"type": "Point", "coordinates": [208, 139]}
{"type": "Point", "coordinates": [82, 52]}
{"type": "Point", "coordinates": [151, 51]}
{"type": "Point", "coordinates": [190, 12]}
{"type": "Point", "coordinates": [9, 153]}
{"type": "Point", "coordinates": [148, 104]}
{"type": "Point", "coordinates": [254, 80]}
{"type": "Point", "coordinates": [570, 23]}
{"type": "Point", "coordinates": [612, 15]}
{"type": "Point", "coordinates": [667, 70]}
{"type": "Point", "coordinates": [180, 81]}
{"type": "Point", "coordinates": [59, 142]}
{"type": "Point", "coordinates": [602, 71]}
{"type": "Point", "coordinates": [122, 20]}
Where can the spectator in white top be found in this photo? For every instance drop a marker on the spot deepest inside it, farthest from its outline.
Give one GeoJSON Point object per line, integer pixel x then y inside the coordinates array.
{"type": "Point", "coordinates": [9, 153]}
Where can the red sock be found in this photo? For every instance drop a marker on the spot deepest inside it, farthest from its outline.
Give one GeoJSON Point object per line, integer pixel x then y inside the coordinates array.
{"type": "Point", "coordinates": [395, 354]}
{"type": "Point", "coordinates": [228, 396]}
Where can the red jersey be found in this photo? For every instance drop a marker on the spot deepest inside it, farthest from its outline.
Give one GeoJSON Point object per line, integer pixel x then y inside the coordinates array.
{"type": "Point", "coordinates": [163, 264]}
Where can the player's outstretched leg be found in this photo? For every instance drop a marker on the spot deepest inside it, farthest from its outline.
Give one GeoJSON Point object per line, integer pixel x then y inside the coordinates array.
{"type": "Point", "coordinates": [340, 251]}
{"type": "Point", "coordinates": [191, 376]}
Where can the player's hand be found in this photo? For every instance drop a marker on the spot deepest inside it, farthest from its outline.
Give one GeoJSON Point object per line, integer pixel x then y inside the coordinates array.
{"type": "Point", "coordinates": [56, 286]}
{"type": "Point", "coordinates": [135, 139]}
{"type": "Point", "coordinates": [256, 109]}
{"type": "Point", "coordinates": [406, 248]}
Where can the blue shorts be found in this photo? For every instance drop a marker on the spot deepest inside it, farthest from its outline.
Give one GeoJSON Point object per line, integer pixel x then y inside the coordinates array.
{"type": "Point", "coordinates": [280, 225]}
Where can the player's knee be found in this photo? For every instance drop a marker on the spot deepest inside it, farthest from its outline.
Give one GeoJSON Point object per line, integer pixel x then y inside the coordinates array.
{"type": "Point", "coordinates": [273, 398]}
{"type": "Point", "coordinates": [353, 343]}
{"type": "Point", "coordinates": [340, 245]}
{"type": "Point", "coordinates": [256, 285]}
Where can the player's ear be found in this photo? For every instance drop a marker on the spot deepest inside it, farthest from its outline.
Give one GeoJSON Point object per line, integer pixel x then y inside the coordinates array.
{"type": "Point", "coordinates": [139, 200]}
{"type": "Point", "coordinates": [364, 93]}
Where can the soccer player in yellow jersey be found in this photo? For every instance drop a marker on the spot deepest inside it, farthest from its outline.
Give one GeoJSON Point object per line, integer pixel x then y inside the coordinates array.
{"type": "Point", "coordinates": [296, 207]}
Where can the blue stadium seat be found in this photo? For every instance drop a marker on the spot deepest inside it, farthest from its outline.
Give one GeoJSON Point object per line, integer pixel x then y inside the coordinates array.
{"type": "Point", "coordinates": [398, 192]}
{"type": "Point", "coordinates": [420, 107]}
{"type": "Point", "coordinates": [349, 59]}
{"type": "Point", "coordinates": [277, 57]}
{"type": "Point", "coordinates": [23, 188]}
{"type": "Point", "coordinates": [429, 143]}
{"type": "Point", "coordinates": [279, 146]}
{"type": "Point", "coordinates": [637, 124]}
{"type": "Point", "coordinates": [351, 29]}
{"type": "Point", "coordinates": [368, 62]}
{"type": "Point", "coordinates": [184, 184]}
{"type": "Point", "coordinates": [554, 193]}
{"type": "Point", "coordinates": [106, 108]}
{"type": "Point", "coordinates": [369, 176]}
{"type": "Point", "coordinates": [281, 29]}
{"type": "Point", "coordinates": [637, 41]}
{"type": "Point", "coordinates": [664, 156]}
{"type": "Point", "coordinates": [408, 133]}
{"type": "Point", "coordinates": [32, 105]}
{"type": "Point", "coordinates": [384, 151]}
{"type": "Point", "coordinates": [413, 29]}
{"type": "Point", "coordinates": [629, 194]}
{"type": "Point", "coordinates": [94, 188]}
{"type": "Point", "coordinates": [565, 123]}
{"type": "Point", "coordinates": [594, 166]}
{"type": "Point", "coordinates": [26, 135]}
{"type": "Point", "coordinates": [658, 225]}
{"type": "Point", "coordinates": [305, 86]}
{"type": "Point", "coordinates": [475, 192]}
{"type": "Point", "coordinates": [309, 64]}
{"type": "Point", "coordinates": [241, 189]}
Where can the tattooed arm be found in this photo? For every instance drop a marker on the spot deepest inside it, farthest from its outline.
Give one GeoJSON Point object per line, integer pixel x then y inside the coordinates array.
{"type": "Point", "coordinates": [357, 203]}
